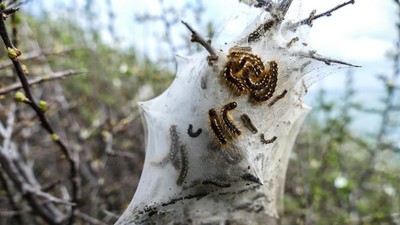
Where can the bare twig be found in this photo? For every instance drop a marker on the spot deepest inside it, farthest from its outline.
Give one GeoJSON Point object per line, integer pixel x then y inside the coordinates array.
{"type": "Point", "coordinates": [122, 154]}
{"type": "Point", "coordinates": [313, 17]}
{"type": "Point", "coordinates": [36, 54]}
{"type": "Point", "coordinates": [38, 80]}
{"type": "Point", "coordinates": [206, 44]}
{"type": "Point", "coordinates": [328, 61]}
{"type": "Point", "coordinates": [44, 195]}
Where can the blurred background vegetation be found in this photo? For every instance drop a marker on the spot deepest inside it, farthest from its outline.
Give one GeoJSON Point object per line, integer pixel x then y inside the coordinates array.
{"type": "Point", "coordinates": [338, 174]}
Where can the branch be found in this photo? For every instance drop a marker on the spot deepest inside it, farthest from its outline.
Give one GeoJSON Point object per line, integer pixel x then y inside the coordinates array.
{"type": "Point", "coordinates": [49, 197]}
{"type": "Point", "coordinates": [313, 17]}
{"type": "Point", "coordinates": [36, 54]}
{"type": "Point", "coordinates": [38, 80]}
{"type": "Point", "coordinates": [206, 44]}
{"type": "Point", "coordinates": [326, 60]}
{"type": "Point", "coordinates": [72, 158]}
{"type": "Point", "coordinates": [19, 173]}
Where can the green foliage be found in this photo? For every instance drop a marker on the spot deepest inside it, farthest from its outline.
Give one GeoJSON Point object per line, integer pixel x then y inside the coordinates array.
{"type": "Point", "coordinates": [115, 74]}
{"type": "Point", "coordinates": [333, 178]}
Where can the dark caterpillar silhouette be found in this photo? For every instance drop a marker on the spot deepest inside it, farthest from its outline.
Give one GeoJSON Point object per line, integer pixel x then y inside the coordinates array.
{"type": "Point", "coordinates": [193, 134]}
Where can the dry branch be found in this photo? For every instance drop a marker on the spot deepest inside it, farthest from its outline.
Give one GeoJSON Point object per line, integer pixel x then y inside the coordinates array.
{"type": "Point", "coordinates": [326, 60]}
{"type": "Point", "coordinates": [206, 44]}
{"type": "Point", "coordinates": [38, 80]}
{"type": "Point", "coordinates": [312, 17]}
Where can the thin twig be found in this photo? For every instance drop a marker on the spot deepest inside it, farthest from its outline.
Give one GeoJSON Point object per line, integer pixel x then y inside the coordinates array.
{"type": "Point", "coordinates": [36, 54]}
{"type": "Point", "coordinates": [197, 38]}
{"type": "Point", "coordinates": [122, 154]}
{"type": "Point", "coordinates": [44, 195]}
{"type": "Point", "coordinates": [327, 61]}
{"type": "Point", "coordinates": [311, 18]}
{"type": "Point", "coordinates": [38, 80]}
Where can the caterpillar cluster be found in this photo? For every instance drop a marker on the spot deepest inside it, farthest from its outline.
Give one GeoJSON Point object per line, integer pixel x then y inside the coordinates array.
{"type": "Point", "coordinates": [245, 73]}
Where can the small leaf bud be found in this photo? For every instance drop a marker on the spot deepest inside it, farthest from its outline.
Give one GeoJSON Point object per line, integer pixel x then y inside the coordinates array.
{"type": "Point", "coordinates": [13, 53]}
{"type": "Point", "coordinates": [20, 96]}
{"type": "Point", "coordinates": [43, 105]}
{"type": "Point", "coordinates": [54, 137]}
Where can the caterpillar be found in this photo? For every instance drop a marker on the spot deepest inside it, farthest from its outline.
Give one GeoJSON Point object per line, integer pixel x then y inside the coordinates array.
{"type": "Point", "coordinates": [216, 127]}
{"type": "Point", "coordinates": [269, 141]}
{"type": "Point", "coordinates": [193, 134]}
{"type": "Point", "coordinates": [174, 148]}
{"type": "Point", "coordinates": [277, 98]}
{"type": "Point", "coordinates": [227, 120]}
{"type": "Point", "coordinates": [248, 124]}
{"type": "Point", "coordinates": [185, 165]}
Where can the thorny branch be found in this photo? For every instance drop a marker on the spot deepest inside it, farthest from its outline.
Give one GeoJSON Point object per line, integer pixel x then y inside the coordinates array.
{"type": "Point", "coordinates": [38, 80]}
{"type": "Point", "coordinates": [206, 44]}
{"type": "Point", "coordinates": [327, 61]}
{"type": "Point", "coordinates": [313, 17]}
{"type": "Point", "coordinates": [71, 156]}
